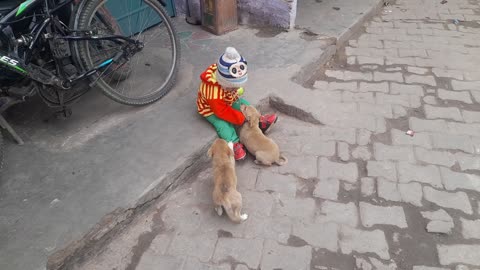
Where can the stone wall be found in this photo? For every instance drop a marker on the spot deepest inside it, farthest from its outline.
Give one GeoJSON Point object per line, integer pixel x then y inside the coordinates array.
{"type": "Point", "coordinates": [278, 13]}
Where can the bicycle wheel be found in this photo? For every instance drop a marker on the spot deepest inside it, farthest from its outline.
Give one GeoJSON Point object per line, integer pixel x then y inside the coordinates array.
{"type": "Point", "coordinates": [147, 75]}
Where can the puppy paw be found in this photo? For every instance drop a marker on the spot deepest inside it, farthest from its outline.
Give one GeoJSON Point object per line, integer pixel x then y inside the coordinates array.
{"type": "Point", "coordinates": [219, 210]}
{"type": "Point", "coordinates": [244, 217]}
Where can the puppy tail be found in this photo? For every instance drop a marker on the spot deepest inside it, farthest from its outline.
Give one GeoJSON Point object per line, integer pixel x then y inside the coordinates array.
{"type": "Point", "coordinates": [282, 160]}
{"type": "Point", "coordinates": [233, 214]}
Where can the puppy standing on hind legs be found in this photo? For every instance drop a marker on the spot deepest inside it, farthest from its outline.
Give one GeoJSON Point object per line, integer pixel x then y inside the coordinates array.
{"type": "Point", "coordinates": [225, 192]}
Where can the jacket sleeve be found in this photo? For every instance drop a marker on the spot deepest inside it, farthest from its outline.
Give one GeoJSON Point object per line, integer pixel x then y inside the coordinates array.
{"type": "Point", "coordinates": [225, 112]}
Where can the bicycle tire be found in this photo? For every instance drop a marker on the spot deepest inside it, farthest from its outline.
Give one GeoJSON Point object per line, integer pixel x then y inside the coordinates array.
{"type": "Point", "coordinates": [85, 17]}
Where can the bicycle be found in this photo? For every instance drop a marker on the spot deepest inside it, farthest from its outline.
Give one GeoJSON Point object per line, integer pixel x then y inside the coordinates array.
{"type": "Point", "coordinates": [127, 48]}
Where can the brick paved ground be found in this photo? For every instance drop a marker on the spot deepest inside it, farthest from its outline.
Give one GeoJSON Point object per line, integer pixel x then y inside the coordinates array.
{"type": "Point", "coordinates": [358, 193]}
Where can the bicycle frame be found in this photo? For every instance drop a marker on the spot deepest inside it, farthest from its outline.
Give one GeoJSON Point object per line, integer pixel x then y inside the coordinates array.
{"type": "Point", "coordinates": [24, 67]}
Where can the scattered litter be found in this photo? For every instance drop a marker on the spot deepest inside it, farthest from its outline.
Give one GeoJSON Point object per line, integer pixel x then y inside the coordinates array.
{"type": "Point", "coordinates": [25, 200]}
{"type": "Point", "coordinates": [456, 21]}
{"type": "Point", "coordinates": [410, 133]}
{"type": "Point", "coordinates": [336, 8]}
{"type": "Point", "coordinates": [54, 202]}
{"type": "Point", "coordinates": [387, 11]}
{"type": "Point", "coordinates": [444, 2]}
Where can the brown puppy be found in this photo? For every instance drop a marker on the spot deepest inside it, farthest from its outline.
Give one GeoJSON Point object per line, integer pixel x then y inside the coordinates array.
{"type": "Point", "coordinates": [264, 149]}
{"type": "Point", "coordinates": [225, 192]}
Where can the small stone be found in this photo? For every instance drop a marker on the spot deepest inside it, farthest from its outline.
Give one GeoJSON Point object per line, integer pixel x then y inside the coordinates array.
{"type": "Point", "coordinates": [340, 213]}
{"type": "Point", "coordinates": [328, 169]}
{"type": "Point", "coordinates": [470, 228]}
{"type": "Point", "coordinates": [343, 151]}
{"type": "Point", "coordinates": [361, 152]}
{"type": "Point", "coordinates": [367, 186]}
{"type": "Point", "coordinates": [363, 136]}
{"type": "Point", "coordinates": [327, 189]}
{"type": "Point", "coordinates": [390, 215]}
{"type": "Point", "coordinates": [430, 100]}
{"type": "Point", "coordinates": [457, 200]}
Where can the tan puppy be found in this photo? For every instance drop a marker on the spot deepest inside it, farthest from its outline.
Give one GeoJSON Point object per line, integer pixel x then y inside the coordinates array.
{"type": "Point", "coordinates": [264, 149]}
{"type": "Point", "coordinates": [225, 192]}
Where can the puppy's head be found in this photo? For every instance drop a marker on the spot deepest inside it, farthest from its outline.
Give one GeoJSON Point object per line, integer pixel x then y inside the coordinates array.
{"type": "Point", "coordinates": [251, 114]}
{"type": "Point", "coordinates": [220, 148]}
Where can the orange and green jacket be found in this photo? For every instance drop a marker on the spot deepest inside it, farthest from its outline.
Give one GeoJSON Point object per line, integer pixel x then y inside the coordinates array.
{"type": "Point", "coordinates": [214, 100]}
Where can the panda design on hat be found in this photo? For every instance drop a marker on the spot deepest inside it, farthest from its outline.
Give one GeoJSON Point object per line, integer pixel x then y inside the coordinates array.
{"type": "Point", "coordinates": [231, 69]}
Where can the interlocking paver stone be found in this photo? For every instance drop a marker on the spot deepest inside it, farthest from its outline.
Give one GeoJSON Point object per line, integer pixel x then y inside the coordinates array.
{"type": "Point", "coordinates": [361, 152]}
{"type": "Point", "coordinates": [468, 254]}
{"type": "Point", "coordinates": [327, 189]}
{"type": "Point", "coordinates": [248, 251]}
{"type": "Point", "coordinates": [301, 166]}
{"type": "Point", "coordinates": [455, 180]}
{"type": "Point", "coordinates": [340, 213]}
{"type": "Point", "coordinates": [284, 184]}
{"type": "Point", "coordinates": [276, 256]}
{"type": "Point", "coordinates": [382, 215]}
{"type": "Point", "coordinates": [388, 76]}
{"type": "Point", "coordinates": [342, 171]}
{"type": "Point", "coordinates": [471, 116]}
{"type": "Point", "coordinates": [463, 96]}
{"type": "Point", "coordinates": [468, 162]}
{"type": "Point", "coordinates": [367, 186]}
{"type": "Point", "coordinates": [453, 142]}
{"type": "Point", "coordinates": [324, 235]}
{"type": "Point", "coordinates": [343, 151]}
{"type": "Point", "coordinates": [398, 153]}
{"type": "Point", "coordinates": [470, 228]}
{"type": "Point", "coordinates": [297, 208]}
{"type": "Point", "coordinates": [424, 174]}
{"type": "Point", "coordinates": [430, 80]}
{"type": "Point", "coordinates": [433, 112]}
{"type": "Point", "coordinates": [457, 200]}
{"type": "Point", "coordinates": [406, 89]}
{"type": "Point", "coordinates": [363, 242]}
{"type": "Point", "coordinates": [363, 136]}
{"type": "Point", "coordinates": [419, 125]}
{"type": "Point", "coordinates": [200, 246]}
{"type": "Point", "coordinates": [440, 221]}
{"type": "Point", "coordinates": [443, 158]}
{"type": "Point", "coordinates": [384, 169]}
{"type": "Point", "coordinates": [373, 87]}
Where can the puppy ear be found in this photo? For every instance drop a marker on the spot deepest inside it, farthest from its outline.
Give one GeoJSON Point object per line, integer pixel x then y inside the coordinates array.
{"type": "Point", "coordinates": [209, 153]}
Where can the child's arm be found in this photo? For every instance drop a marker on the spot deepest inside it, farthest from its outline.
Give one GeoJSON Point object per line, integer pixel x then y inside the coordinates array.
{"type": "Point", "coordinates": [225, 112]}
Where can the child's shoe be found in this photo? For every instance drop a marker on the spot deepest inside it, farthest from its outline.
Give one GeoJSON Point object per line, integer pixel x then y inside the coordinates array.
{"type": "Point", "coordinates": [238, 151]}
{"type": "Point", "coordinates": [267, 121]}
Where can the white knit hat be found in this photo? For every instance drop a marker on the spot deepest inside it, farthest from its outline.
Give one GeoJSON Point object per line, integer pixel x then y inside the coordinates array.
{"type": "Point", "coordinates": [231, 69]}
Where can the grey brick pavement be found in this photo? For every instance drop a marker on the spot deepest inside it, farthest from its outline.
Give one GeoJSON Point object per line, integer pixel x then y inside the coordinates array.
{"type": "Point", "coordinates": [357, 189]}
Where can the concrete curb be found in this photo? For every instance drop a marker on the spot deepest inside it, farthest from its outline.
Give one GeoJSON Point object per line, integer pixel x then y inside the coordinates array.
{"type": "Point", "coordinates": [308, 71]}
{"type": "Point", "coordinates": [113, 223]}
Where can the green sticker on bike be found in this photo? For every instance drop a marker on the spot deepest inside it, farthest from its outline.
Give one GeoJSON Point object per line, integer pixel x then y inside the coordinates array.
{"type": "Point", "coordinates": [23, 6]}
